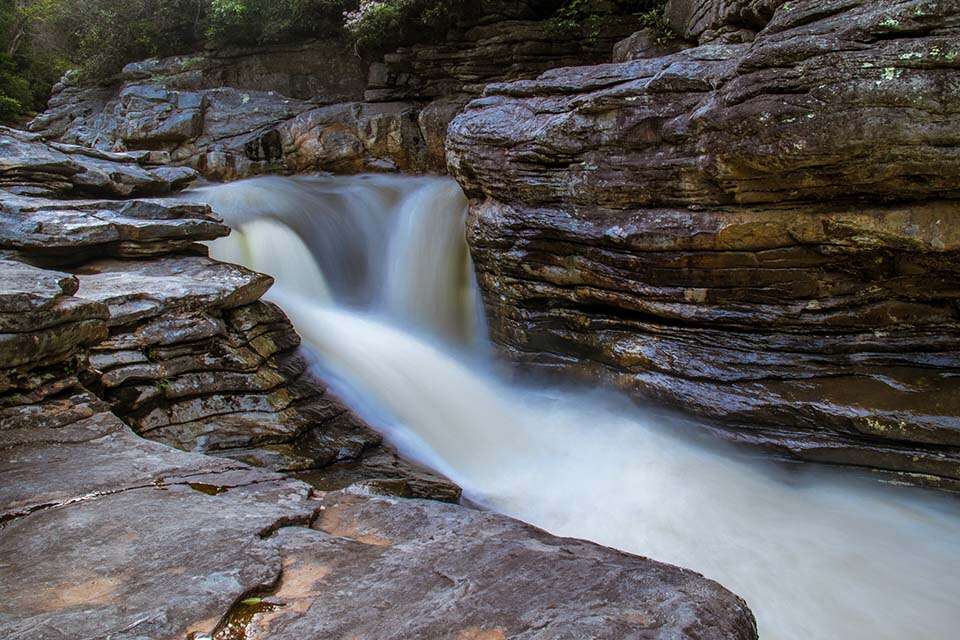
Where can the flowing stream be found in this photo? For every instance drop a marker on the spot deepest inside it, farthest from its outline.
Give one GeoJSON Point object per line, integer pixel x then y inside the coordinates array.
{"type": "Point", "coordinates": [374, 272]}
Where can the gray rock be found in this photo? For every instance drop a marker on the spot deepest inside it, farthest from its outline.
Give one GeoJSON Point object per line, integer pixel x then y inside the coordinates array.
{"type": "Point", "coordinates": [705, 19]}
{"type": "Point", "coordinates": [40, 322]}
{"type": "Point", "coordinates": [55, 232]}
{"type": "Point", "coordinates": [151, 542]}
{"type": "Point", "coordinates": [297, 107]}
{"type": "Point", "coordinates": [645, 44]}
{"type": "Point", "coordinates": [470, 574]}
{"type": "Point", "coordinates": [31, 166]}
{"type": "Point", "coordinates": [145, 289]}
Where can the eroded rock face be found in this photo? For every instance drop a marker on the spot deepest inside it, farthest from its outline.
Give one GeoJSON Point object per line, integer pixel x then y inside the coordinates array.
{"type": "Point", "coordinates": [56, 232]}
{"type": "Point", "coordinates": [315, 105]}
{"type": "Point", "coordinates": [706, 20]}
{"type": "Point", "coordinates": [764, 233]}
{"type": "Point", "coordinates": [180, 346]}
{"type": "Point", "coordinates": [104, 533]}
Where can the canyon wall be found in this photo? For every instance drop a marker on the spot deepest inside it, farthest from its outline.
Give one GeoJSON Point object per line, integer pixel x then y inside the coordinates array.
{"type": "Point", "coordinates": [148, 397]}
{"type": "Point", "coordinates": [762, 228]}
{"type": "Point", "coordinates": [316, 105]}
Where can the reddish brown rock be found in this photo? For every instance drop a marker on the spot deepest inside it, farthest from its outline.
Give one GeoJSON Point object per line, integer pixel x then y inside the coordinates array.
{"type": "Point", "coordinates": [763, 233]}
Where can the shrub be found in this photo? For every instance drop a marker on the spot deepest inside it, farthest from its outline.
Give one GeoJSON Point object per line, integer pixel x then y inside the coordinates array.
{"type": "Point", "coordinates": [385, 24]}
{"type": "Point", "coordinates": [587, 17]}
{"type": "Point", "coordinates": [262, 21]}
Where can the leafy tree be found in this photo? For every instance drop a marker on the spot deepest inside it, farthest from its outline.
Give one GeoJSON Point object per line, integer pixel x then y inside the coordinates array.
{"type": "Point", "coordinates": [104, 35]}
{"type": "Point", "coordinates": [39, 39]}
{"type": "Point", "coordinates": [263, 21]}
{"type": "Point", "coordinates": [30, 60]}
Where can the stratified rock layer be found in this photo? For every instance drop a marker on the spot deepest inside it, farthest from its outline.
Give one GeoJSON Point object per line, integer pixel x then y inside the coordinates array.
{"type": "Point", "coordinates": [107, 534]}
{"type": "Point", "coordinates": [30, 166]}
{"type": "Point", "coordinates": [763, 232]}
{"type": "Point", "coordinates": [179, 345]}
{"type": "Point", "coordinates": [314, 105]}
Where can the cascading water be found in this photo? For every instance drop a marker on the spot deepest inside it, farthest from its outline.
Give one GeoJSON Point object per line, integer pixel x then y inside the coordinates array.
{"type": "Point", "coordinates": [374, 273]}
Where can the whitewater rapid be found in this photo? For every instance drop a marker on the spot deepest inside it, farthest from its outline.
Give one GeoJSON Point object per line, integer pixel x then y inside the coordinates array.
{"type": "Point", "coordinates": [384, 295]}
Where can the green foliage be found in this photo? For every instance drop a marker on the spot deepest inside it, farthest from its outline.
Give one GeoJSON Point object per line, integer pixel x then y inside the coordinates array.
{"type": "Point", "coordinates": [656, 20]}
{"type": "Point", "coordinates": [586, 18]}
{"type": "Point", "coordinates": [40, 39]}
{"type": "Point", "coordinates": [261, 21]}
{"type": "Point", "coordinates": [15, 95]}
{"type": "Point", "coordinates": [384, 24]}
{"type": "Point", "coordinates": [104, 35]}
{"type": "Point", "coordinates": [29, 62]}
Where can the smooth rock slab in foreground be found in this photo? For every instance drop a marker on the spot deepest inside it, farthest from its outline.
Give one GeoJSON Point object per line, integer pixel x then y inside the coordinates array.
{"type": "Point", "coordinates": [395, 569]}
{"type": "Point", "coordinates": [106, 535]}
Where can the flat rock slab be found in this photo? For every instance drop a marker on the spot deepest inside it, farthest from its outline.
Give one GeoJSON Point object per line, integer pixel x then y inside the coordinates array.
{"type": "Point", "coordinates": [137, 290]}
{"type": "Point", "coordinates": [31, 166]}
{"type": "Point", "coordinates": [57, 232]}
{"type": "Point", "coordinates": [391, 568]}
{"type": "Point", "coordinates": [106, 535]}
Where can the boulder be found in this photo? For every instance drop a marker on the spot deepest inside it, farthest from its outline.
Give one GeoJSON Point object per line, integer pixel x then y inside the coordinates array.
{"type": "Point", "coordinates": [762, 233]}
{"type": "Point", "coordinates": [352, 138]}
{"type": "Point", "coordinates": [705, 20]}
{"type": "Point", "coordinates": [645, 43]}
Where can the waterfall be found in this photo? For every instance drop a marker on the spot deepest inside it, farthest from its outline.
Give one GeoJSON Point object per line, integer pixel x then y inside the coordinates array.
{"type": "Point", "coordinates": [385, 297]}
{"type": "Point", "coordinates": [385, 245]}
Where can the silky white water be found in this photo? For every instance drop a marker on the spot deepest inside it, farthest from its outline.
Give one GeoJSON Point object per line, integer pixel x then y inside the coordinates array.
{"type": "Point", "coordinates": [817, 554]}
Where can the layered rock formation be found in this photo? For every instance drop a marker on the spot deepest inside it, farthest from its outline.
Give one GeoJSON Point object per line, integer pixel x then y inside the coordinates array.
{"type": "Point", "coordinates": [761, 229]}
{"type": "Point", "coordinates": [124, 538]}
{"type": "Point", "coordinates": [231, 114]}
{"type": "Point", "coordinates": [186, 353]}
{"type": "Point", "coordinates": [114, 323]}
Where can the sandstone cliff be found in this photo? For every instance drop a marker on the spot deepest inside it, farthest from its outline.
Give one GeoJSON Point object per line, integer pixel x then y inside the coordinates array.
{"type": "Point", "coordinates": [761, 229]}
{"type": "Point", "coordinates": [315, 105]}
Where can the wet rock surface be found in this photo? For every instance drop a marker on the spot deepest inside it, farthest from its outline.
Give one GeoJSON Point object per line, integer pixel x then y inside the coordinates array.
{"type": "Point", "coordinates": [31, 166]}
{"type": "Point", "coordinates": [450, 582]}
{"type": "Point", "coordinates": [52, 232]}
{"type": "Point", "coordinates": [139, 341]}
{"type": "Point", "coordinates": [151, 542]}
{"type": "Point", "coordinates": [761, 229]}
{"type": "Point", "coordinates": [180, 346]}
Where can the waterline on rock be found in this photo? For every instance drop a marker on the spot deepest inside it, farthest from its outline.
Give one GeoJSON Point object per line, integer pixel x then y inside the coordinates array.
{"type": "Point", "coordinates": [823, 555]}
